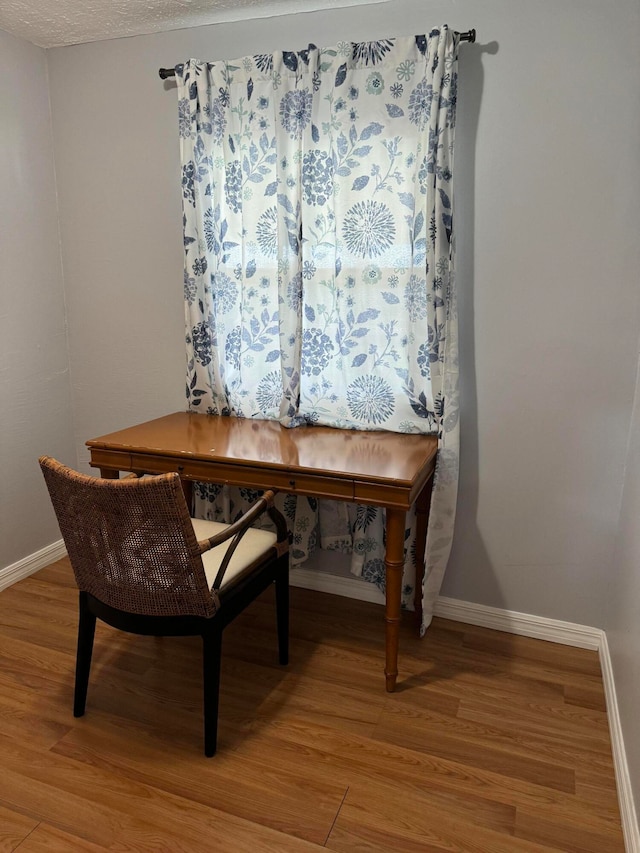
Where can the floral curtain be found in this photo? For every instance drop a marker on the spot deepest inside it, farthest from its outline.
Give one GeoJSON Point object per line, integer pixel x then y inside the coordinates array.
{"type": "Point", "coordinates": [319, 263]}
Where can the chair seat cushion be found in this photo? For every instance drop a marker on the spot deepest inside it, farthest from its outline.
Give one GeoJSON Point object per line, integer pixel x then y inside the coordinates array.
{"type": "Point", "coordinates": [253, 545]}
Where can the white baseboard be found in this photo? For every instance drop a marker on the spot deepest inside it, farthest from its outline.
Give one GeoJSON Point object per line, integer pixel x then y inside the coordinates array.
{"type": "Point", "coordinates": [623, 780]}
{"type": "Point", "coordinates": [33, 563]}
{"type": "Point", "coordinates": [553, 630]}
{"type": "Point", "coordinates": [523, 624]}
{"type": "Point", "coordinates": [347, 587]}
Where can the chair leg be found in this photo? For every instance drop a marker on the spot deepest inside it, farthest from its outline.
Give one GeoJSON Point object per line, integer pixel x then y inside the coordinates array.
{"type": "Point", "coordinates": [282, 610]}
{"type": "Point", "coordinates": [211, 654]}
{"type": "Point", "coordinates": [86, 633]}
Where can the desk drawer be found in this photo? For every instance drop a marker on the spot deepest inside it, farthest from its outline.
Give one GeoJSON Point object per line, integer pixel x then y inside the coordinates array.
{"type": "Point", "coordinates": [111, 459]}
{"type": "Point", "coordinates": [320, 486]}
{"type": "Point", "coordinates": [245, 475]}
{"type": "Point", "coordinates": [213, 472]}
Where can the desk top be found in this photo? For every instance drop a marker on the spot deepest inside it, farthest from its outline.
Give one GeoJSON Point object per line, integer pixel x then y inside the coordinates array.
{"type": "Point", "coordinates": [389, 459]}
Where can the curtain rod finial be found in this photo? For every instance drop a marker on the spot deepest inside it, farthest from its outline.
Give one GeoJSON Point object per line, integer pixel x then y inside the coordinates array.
{"type": "Point", "coordinates": [469, 36]}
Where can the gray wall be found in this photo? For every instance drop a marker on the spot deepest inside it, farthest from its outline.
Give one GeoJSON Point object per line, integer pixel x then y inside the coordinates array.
{"type": "Point", "coordinates": [35, 410]}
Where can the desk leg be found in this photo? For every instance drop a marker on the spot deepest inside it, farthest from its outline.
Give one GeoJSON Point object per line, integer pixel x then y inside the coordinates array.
{"type": "Point", "coordinates": [394, 564]}
{"type": "Point", "coordinates": [109, 474]}
{"type": "Point", "coordinates": [423, 505]}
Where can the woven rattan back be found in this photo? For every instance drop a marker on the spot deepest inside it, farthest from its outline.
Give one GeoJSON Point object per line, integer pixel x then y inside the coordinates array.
{"type": "Point", "coordinates": [130, 542]}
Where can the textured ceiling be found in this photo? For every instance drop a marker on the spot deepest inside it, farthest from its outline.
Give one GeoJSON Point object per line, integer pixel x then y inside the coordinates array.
{"type": "Point", "coordinates": [53, 23]}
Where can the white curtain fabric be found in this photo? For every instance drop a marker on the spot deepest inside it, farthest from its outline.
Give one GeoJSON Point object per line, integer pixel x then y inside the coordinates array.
{"type": "Point", "coordinates": [319, 280]}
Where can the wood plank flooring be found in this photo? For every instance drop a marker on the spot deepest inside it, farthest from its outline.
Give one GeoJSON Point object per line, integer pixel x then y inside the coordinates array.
{"type": "Point", "coordinates": [492, 743]}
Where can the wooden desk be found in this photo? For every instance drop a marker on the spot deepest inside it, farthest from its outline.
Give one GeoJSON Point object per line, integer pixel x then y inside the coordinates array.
{"type": "Point", "coordinates": [384, 469]}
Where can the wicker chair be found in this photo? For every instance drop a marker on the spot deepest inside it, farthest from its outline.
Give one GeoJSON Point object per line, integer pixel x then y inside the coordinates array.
{"type": "Point", "coordinates": [144, 566]}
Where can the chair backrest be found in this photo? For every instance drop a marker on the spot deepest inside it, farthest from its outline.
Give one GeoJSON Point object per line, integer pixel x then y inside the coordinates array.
{"type": "Point", "coordinates": [130, 542]}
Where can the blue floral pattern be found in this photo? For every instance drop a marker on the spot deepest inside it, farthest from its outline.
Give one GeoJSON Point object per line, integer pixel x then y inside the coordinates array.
{"type": "Point", "coordinates": [224, 291]}
{"type": "Point", "coordinates": [371, 52]}
{"type": "Point", "coordinates": [318, 240]}
{"type": "Point", "coordinates": [267, 232]}
{"type": "Point", "coordinates": [295, 111]}
{"type": "Point", "coordinates": [233, 185]}
{"type": "Point", "coordinates": [317, 349]}
{"type": "Point", "coordinates": [420, 104]}
{"type": "Point", "coordinates": [370, 399]}
{"type": "Point", "coordinates": [317, 177]}
{"type": "Point", "coordinates": [415, 298]}
{"type": "Point", "coordinates": [269, 392]}
{"type": "Point", "coordinates": [368, 229]}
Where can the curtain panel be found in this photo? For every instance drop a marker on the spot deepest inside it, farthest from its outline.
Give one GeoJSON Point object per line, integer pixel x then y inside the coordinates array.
{"type": "Point", "coordinates": [318, 278]}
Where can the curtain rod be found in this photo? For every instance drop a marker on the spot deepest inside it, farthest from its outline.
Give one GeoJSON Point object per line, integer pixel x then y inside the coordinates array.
{"type": "Point", "coordinates": [469, 36]}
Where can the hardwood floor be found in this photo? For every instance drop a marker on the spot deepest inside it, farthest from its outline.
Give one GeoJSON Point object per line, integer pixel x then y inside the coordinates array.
{"type": "Point", "coordinates": [492, 743]}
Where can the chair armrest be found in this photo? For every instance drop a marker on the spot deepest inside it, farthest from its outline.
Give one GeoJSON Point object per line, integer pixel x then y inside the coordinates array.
{"type": "Point", "coordinates": [237, 530]}
{"type": "Point", "coordinates": [242, 524]}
